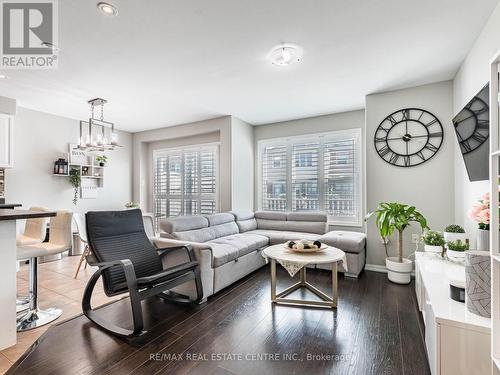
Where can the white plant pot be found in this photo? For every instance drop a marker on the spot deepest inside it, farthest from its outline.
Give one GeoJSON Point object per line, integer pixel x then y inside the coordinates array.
{"type": "Point", "coordinates": [433, 249]}
{"type": "Point", "coordinates": [483, 240]}
{"type": "Point", "coordinates": [449, 237]}
{"type": "Point", "coordinates": [456, 256]}
{"type": "Point", "coordinates": [399, 273]}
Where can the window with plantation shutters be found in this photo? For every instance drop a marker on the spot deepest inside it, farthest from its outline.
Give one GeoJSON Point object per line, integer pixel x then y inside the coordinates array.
{"type": "Point", "coordinates": [318, 172]}
{"type": "Point", "coordinates": [185, 181]}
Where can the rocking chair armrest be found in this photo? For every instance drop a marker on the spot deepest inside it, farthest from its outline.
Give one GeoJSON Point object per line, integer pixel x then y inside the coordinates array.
{"type": "Point", "coordinates": [189, 250]}
{"type": "Point", "coordinates": [128, 269]}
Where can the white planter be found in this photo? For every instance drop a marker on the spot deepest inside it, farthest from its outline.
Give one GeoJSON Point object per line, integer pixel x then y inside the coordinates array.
{"type": "Point", "coordinates": [456, 256]}
{"type": "Point", "coordinates": [433, 249]}
{"type": "Point", "coordinates": [448, 237]}
{"type": "Point", "coordinates": [399, 273]}
{"type": "Point", "coordinates": [483, 240]}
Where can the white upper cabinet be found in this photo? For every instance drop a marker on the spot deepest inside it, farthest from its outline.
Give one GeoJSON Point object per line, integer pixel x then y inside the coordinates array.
{"type": "Point", "coordinates": [6, 141]}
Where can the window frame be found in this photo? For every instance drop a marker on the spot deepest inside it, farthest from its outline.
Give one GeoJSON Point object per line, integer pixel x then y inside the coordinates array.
{"type": "Point", "coordinates": [321, 138]}
{"type": "Point", "coordinates": [183, 196]}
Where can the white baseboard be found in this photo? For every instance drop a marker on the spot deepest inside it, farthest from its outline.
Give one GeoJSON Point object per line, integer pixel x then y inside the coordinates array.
{"type": "Point", "coordinates": [379, 268]}
{"type": "Point", "coordinates": [376, 268]}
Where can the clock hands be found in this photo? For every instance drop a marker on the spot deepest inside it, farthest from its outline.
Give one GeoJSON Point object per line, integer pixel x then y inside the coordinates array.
{"type": "Point", "coordinates": [413, 136]}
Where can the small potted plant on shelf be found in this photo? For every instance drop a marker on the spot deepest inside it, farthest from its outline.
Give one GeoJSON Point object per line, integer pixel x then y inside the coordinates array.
{"type": "Point", "coordinates": [76, 181]}
{"type": "Point", "coordinates": [454, 232]}
{"type": "Point", "coordinates": [101, 160]}
{"type": "Point", "coordinates": [433, 242]}
{"type": "Point", "coordinates": [456, 250]}
{"type": "Point", "coordinates": [391, 217]}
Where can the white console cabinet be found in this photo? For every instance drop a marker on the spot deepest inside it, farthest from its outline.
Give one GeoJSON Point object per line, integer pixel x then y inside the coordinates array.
{"type": "Point", "coordinates": [6, 141]}
{"type": "Point", "coordinates": [457, 341]}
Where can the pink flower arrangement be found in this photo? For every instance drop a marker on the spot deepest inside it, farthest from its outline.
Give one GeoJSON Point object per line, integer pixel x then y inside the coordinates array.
{"type": "Point", "coordinates": [480, 212]}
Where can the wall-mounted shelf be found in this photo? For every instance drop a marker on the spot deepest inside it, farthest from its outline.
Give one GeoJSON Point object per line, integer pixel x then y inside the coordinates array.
{"type": "Point", "coordinates": [94, 172]}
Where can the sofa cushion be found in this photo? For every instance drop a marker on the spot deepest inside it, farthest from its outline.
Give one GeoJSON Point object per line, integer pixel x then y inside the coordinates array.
{"type": "Point", "coordinates": [245, 220]}
{"type": "Point", "coordinates": [225, 229]}
{"type": "Point", "coordinates": [221, 218]}
{"type": "Point", "coordinates": [306, 226]}
{"type": "Point", "coordinates": [198, 235]}
{"type": "Point", "coordinates": [243, 243]}
{"type": "Point", "coordinates": [223, 253]}
{"type": "Point", "coordinates": [350, 242]}
{"type": "Point", "coordinates": [307, 216]}
{"type": "Point", "coordinates": [279, 236]}
{"type": "Point", "coordinates": [183, 223]}
{"type": "Point", "coordinates": [271, 215]}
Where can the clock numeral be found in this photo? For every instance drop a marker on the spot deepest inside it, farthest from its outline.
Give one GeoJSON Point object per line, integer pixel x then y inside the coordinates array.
{"type": "Point", "coordinates": [483, 124]}
{"type": "Point", "coordinates": [437, 134]}
{"type": "Point", "coordinates": [420, 154]}
{"type": "Point", "coordinates": [421, 114]}
{"type": "Point", "coordinates": [394, 159]}
{"type": "Point", "coordinates": [407, 159]}
{"type": "Point", "coordinates": [430, 147]}
{"type": "Point", "coordinates": [466, 146]}
{"type": "Point", "coordinates": [478, 137]}
{"type": "Point", "coordinates": [384, 151]}
{"type": "Point", "coordinates": [380, 139]}
{"type": "Point", "coordinates": [392, 120]}
{"type": "Point", "coordinates": [431, 123]}
{"type": "Point", "coordinates": [481, 111]}
{"type": "Point", "coordinates": [406, 114]}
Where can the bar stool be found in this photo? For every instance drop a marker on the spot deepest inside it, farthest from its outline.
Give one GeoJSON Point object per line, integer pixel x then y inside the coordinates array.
{"type": "Point", "coordinates": [34, 230]}
{"type": "Point", "coordinates": [82, 233]}
{"type": "Point", "coordinates": [59, 242]}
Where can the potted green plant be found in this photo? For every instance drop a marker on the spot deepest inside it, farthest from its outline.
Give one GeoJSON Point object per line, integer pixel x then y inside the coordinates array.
{"type": "Point", "coordinates": [101, 160]}
{"type": "Point", "coordinates": [131, 205]}
{"type": "Point", "coordinates": [391, 217]}
{"type": "Point", "coordinates": [75, 180]}
{"type": "Point", "coordinates": [454, 232]}
{"type": "Point", "coordinates": [433, 242]}
{"type": "Point", "coordinates": [456, 250]}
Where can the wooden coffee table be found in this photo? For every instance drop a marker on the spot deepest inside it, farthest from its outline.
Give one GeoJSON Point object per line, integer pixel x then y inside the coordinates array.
{"type": "Point", "coordinates": [293, 262]}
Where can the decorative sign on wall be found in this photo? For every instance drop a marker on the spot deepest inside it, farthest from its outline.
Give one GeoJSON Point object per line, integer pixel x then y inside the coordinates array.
{"type": "Point", "coordinates": [77, 156]}
{"type": "Point", "coordinates": [88, 189]}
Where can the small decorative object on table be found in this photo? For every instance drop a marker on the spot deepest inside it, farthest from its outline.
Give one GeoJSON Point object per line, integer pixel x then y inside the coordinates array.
{"type": "Point", "coordinates": [130, 205]}
{"type": "Point", "coordinates": [457, 290]}
{"type": "Point", "coordinates": [454, 232]}
{"type": "Point", "coordinates": [456, 250]}
{"type": "Point", "coordinates": [478, 282]}
{"type": "Point", "coordinates": [480, 213]}
{"type": "Point", "coordinates": [305, 246]}
{"type": "Point", "coordinates": [433, 242]}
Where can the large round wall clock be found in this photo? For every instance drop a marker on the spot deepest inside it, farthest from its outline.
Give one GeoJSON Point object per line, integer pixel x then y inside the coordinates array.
{"type": "Point", "coordinates": [408, 137]}
{"type": "Point", "coordinates": [472, 123]}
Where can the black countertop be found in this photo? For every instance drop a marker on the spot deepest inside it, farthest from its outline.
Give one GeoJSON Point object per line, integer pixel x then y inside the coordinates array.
{"type": "Point", "coordinates": [9, 214]}
{"type": "Point", "coordinates": [10, 205]}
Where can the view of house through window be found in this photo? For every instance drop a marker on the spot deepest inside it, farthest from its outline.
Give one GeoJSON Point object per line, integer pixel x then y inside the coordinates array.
{"type": "Point", "coordinates": [185, 181]}
{"type": "Point", "coordinates": [321, 172]}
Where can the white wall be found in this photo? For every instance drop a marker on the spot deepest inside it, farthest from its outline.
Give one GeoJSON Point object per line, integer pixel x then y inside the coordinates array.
{"type": "Point", "coordinates": [311, 125]}
{"type": "Point", "coordinates": [192, 133]}
{"type": "Point", "coordinates": [39, 139]}
{"type": "Point", "coordinates": [471, 77]}
{"type": "Point", "coordinates": [242, 165]}
{"type": "Point", "coordinates": [428, 186]}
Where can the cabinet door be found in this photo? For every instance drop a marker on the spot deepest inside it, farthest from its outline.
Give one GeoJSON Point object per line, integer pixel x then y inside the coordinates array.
{"type": "Point", "coordinates": [6, 141]}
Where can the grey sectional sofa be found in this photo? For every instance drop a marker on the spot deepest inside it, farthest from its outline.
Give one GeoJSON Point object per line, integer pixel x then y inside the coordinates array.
{"type": "Point", "coordinates": [228, 245]}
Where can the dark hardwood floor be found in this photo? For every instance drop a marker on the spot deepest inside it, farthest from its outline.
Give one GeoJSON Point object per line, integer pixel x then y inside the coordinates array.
{"type": "Point", "coordinates": [375, 330]}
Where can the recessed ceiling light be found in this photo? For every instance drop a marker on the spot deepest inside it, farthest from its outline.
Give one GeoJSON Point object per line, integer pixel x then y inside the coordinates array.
{"type": "Point", "coordinates": [51, 46]}
{"type": "Point", "coordinates": [107, 9]}
{"type": "Point", "coordinates": [285, 54]}
{"type": "Point", "coordinates": [3, 76]}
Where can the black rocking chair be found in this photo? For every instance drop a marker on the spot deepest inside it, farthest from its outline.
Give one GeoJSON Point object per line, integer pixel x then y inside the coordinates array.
{"type": "Point", "coordinates": [128, 262]}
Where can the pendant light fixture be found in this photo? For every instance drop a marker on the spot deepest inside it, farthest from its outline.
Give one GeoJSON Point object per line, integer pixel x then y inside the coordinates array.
{"type": "Point", "coordinates": [96, 134]}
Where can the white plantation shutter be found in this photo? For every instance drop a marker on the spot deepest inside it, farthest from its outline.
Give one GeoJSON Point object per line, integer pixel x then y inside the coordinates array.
{"type": "Point", "coordinates": [274, 178]}
{"type": "Point", "coordinates": [305, 176]}
{"type": "Point", "coordinates": [185, 181]}
{"type": "Point", "coordinates": [319, 172]}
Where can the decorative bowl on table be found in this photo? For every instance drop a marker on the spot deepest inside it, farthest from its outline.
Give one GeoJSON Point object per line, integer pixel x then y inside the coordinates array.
{"type": "Point", "coordinates": [305, 246]}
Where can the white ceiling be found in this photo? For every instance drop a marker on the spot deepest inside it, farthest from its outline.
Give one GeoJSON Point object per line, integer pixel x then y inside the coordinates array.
{"type": "Point", "coordinates": [162, 63]}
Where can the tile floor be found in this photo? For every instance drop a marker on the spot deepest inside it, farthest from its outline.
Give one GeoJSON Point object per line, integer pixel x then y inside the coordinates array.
{"type": "Point", "coordinates": [56, 288]}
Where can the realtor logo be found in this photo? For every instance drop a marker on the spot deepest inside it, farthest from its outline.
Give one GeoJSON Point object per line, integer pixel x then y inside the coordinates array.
{"type": "Point", "coordinates": [29, 34]}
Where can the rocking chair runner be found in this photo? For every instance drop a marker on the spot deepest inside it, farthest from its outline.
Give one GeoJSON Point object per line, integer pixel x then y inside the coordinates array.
{"type": "Point", "coordinates": [128, 262]}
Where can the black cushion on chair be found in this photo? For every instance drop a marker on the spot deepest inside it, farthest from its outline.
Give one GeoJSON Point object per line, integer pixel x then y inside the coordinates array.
{"type": "Point", "coordinates": [118, 235]}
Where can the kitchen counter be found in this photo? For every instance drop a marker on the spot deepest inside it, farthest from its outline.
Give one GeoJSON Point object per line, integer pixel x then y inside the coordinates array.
{"type": "Point", "coordinates": [8, 259]}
